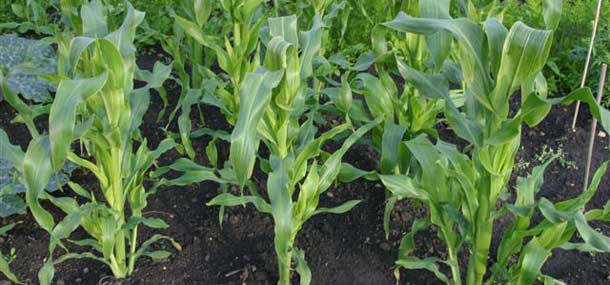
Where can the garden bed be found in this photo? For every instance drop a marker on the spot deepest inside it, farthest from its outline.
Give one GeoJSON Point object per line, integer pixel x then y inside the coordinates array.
{"type": "Point", "coordinates": [341, 249]}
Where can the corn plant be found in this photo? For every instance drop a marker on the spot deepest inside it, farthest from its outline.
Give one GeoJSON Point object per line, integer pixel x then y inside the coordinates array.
{"type": "Point", "coordinates": [462, 189]}
{"type": "Point", "coordinates": [272, 102]}
{"type": "Point", "coordinates": [99, 108]}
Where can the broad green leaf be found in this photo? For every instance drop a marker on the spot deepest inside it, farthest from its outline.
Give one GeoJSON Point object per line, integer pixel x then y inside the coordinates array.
{"type": "Point", "coordinates": [496, 36]}
{"type": "Point", "coordinates": [378, 98]}
{"type": "Point", "coordinates": [203, 9]}
{"type": "Point", "coordinates": [6, 270]}
{"type": "Point", "coordinates": [282, 211]}
{"type": "Point", "coordinates": [525, 53]}
{"type": "Point", "coordinates": [552, 13]}
{"type": "Point", "coordinates": [93, 15]}
{"type": "Point", "coordinates": [592, 238]}
{"type": "Point", "coordinates": [438, 43]}
{"type": "Point", "coordinates": [472, 49]}
{"type": "Point", "coordinates": [255, 95]}
{"type": "Point", "coordinates": [429, 263]}
{"type": "Point", "coordinates": [330, 169]}
{"type": "Point", "coordinates": [302, 267]}
{"type": "Point", "coordinates": [286, 28]}
{"type": "Point", "coordinates": [343, 208]}
{"type": "Point", "coordinates": [62, 118]}
{"type": "Point", "coordinates": [534, 256]}
{"type": "Point", "coordinates": [392, 137]}
{"type": "Point", "coordinates": [227, 199]}
{"type": "Point", "coordinates": [37, 170]}
{"type": "Point", "coordinates": [311, 42]}
{"type": "Point", "coordinates": [10, 152]}
{"type": "Point", "coordinates": [429, 85]}
{"type": "Point", "coordinates": [403, 187]}
{"type": "Point", "coordinates": [192, 97]}
{"type": "Point", "coordinates": [349, 173]}
{"type": "Point", "coordinates": [195, 32]}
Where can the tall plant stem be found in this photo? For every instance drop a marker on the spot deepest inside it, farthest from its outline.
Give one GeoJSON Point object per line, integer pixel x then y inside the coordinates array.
{"type": "Point", "coordinates": [118, 204]}
{"type": "Point", "coordinates": [285, 267]}
{"type": "Point", "coordinates": [132, 250]}
{"type": "Point", "coordinates": [477, 265]}
{"type": "Point", "coordinates": [456, 275]}
{"type": "Point", "coordinates": [585, 72]}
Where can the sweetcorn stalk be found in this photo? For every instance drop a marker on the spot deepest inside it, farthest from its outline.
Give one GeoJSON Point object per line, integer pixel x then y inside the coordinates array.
{"type": "Point", "coordinates": [462, 190]}
{"type": "Point", "coordinates": [98, 107]}
{"type": "Point", "coordinates": [272, 104]}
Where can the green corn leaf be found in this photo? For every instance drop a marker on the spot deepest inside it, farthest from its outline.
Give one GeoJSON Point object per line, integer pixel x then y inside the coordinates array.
{"type": "Point", "coordinates": [46, 273]}
{"type": "Point", "coordinates": [552, 13]}
{"type": "Point", "coordinates": [203, 10]}
{"type": "Point", "coordinates": [10, 152]}
{"type": "Point", "coordinates": [282, 212]}
{"type": "Point", "coordinates": [428, 85]}
{"type": "Point", "coordinates": [62, 117]}
{"type": "Point", "coordinates": [403, 187]}
{"type": "Point", "coordinates": [534, 255]}
{"type": "Point", "coordinates": [158, 254]}
{"type": "Point", "coordinates": [387, 213]}
{"type": "Point", "coordinates": [192, 97]}
{"type": "Point", "coordinates": [255, 95]}
{"type": "Point", "coordinates": [525, 53]}
{"type": "Point", "coordinates": [584, 198]}
{"type": "Point", "coordinates": [94, 16]}
{"type": "Point", "coordinates": [227, 199]}
{"type": "Point", "coordinates": [593, 239]}
{"type": "Point", "coordinates": [143, 250]}
{"type": "Point", "coordinates": [4, 263]}
{"type": "Point", "coordinates": [195, 32]}
{"type": "Point", "coordinates": [154, 223]}
{"type": "Point", "coordinates": [496, 36]}
{"type": "Point", "coordinates": [472, 49]}
{"type": "Point", "coordinates": [330, 169]}
{"type": "Point", "coordinates": [437, 87]}
{"type": "Point", "coordinates": [343, 208]}
{"type": "Point", "coordinates": [378, 98]}
{"type": "Point", "coordinates": [311, 42]}
{"type": "Point", "coordinates": [438, 43]}
{"type": "Point", "coordinates": [392, 137]}
{"type": "Point", "coordinates": [429, 263]}
{"type": "Point", "coordinates": [6, 270]}
{"type": "Point", "coordinates": [37, 170]}
{"type": "Point", "coordinates": [302, 267]}
{"type": "Point", "coordinates": [285, 28]}
{"type": "Point", "coordinates": [349, 173]}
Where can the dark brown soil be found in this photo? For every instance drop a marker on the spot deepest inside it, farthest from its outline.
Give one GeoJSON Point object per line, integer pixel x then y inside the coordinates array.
{"type": "Point", "coordinates": [340, 249]}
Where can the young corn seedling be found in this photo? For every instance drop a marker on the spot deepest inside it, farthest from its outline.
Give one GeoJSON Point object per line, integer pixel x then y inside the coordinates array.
{"type": "Point", "coordinates": [462, 189]}
{"type": "Point", "coordinates": [99, 108]}
{"type": "Point", "coordinates": [272, 104]}
{"type": "Point", "coordinates": [5, 260]}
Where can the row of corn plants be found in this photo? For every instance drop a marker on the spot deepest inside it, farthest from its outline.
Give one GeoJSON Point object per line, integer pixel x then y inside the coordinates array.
{"type": "Point", "coordinates": [269, 75]}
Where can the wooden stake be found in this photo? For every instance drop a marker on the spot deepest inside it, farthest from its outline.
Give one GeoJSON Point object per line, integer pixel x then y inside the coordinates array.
{"type": "Point", "coordinates": [588, 61]}
{"type": "Point", "coordinates": [600, 92]}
